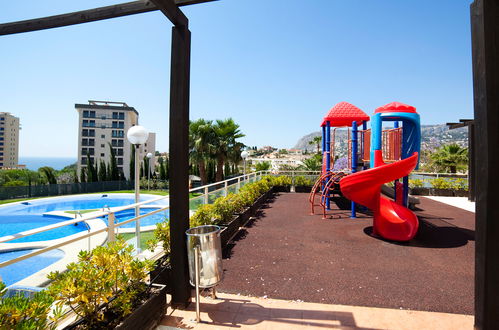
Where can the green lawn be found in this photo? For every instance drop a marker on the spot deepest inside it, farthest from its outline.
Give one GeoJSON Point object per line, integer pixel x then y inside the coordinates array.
{"type": "Point", "coordinates": [144, 237]}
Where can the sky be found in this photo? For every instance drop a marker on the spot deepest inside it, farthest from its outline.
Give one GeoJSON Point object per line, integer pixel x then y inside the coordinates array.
{"type": "Point", "coordinates": [275, 66]}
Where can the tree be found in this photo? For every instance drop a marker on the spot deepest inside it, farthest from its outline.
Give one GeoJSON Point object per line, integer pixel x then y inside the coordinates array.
{"type": "Point", "coordinates": [450, 156]}
{"type": "Point", "coordinates": [313, 163]}
{"type": "Point", "coordinates": [317, 141]}
{"type": "Point", "coordinates": [263, 166]}
{"type": "Point", "coordinates": [132, 163]}
{"type": "Point", "coordinates": [226, 134]}
{"type": "Point", "coordinates": [83, 177]}
{"type": "Point", "coordinates": [114, 172]}
{"type": "Point", "coordinates": [162, 172]}
{"type": "Point", "coordinates": [201, 138]}
{"type": "Point", "coordinates": [91, 170]}
{"type": "Point", "coordinates": [49, 173]}
{"type": "Point", "coordinates": [102, 171]}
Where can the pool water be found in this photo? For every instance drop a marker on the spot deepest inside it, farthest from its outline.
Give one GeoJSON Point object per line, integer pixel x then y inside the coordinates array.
{"type": "Point", "coordinates": [15, 224]}
{"type": "Point", "coordinates": [22, 269]}
{"type": "Point", "coordinates": [29, 215]}
{"type": "Point", "coordinates": [147, 221]}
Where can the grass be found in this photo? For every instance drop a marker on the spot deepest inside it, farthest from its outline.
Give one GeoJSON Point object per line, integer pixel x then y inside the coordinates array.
{"type": "Point", "coordinates": [81, 211]}
{"type": "Point", "coordinates": [144, 237]}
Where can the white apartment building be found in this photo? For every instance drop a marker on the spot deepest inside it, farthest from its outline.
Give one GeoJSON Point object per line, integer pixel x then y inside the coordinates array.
{"type": "Point", "coordinates": [9, 140]}
{"type": "Point", "coordinates": [104, 123]}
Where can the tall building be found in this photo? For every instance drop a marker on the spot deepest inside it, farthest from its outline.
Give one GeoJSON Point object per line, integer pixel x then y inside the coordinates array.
{"type": "Point", "coordinates": [104, 123]}
{"type": "Point", "coordinates": [9, 140]}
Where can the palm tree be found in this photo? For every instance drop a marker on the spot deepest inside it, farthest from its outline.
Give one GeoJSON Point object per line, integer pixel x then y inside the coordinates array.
{"type": "Point", "coordinates": [201, 138]}
{"type": "Point", "coordinates": [49, 174]}
{"type": "Point", "coordinates": [317, 141]}
{"type": "Point", "coordinates": [450, 156]}
{"type": "Point", "coordinates": [226, 134]}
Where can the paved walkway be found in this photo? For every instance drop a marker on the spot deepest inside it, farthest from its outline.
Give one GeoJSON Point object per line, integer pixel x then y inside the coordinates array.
{"type": "Point", "coordinates": [288, 254]}
{"type": "Point", "coordinates": [240, 312]}
{"type": "Point", "coordinates": [460, 202]}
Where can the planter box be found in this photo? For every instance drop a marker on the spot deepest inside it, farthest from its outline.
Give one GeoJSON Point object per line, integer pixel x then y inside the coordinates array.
{"type": "Point", "coordinates": [420, 191]}
{"type": "Point", "coordinates": [282, 188]}
{"type": "Point", "coordinates": [229, 230]}
{"type": "Point", "coordinates": [148, 315]}
{"type": "Point", "coordinates": [303, 189]}
{"type": "Point", "coordinates": [161, 272]}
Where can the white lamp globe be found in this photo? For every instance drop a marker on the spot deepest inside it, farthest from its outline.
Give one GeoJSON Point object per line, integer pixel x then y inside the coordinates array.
{"type": "Point", "coordinates": [149, 155]}
{"type": "Point", "coordinates": [137, 135]}
{"type": "Point", "coordinates": [244, 154]}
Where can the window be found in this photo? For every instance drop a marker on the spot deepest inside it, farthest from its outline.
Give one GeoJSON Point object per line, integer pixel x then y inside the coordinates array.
{"type": "Point", "coordinates": [88, 123]}
{"type": "Point", "coordinates": [115, 115]}
{"type": "Point", "coordinates": [85, 113]}
{"type": "Point", "coordinates": [84, 151]}
{"type": "Point", "coordinates": [91, 132]}
{"type": "Point", "coordinates": [84, 132]}
{"type": "Point", "coordinates": [117, 133]}
{"type": "Point", "coordinates": [83, 160]}
{"type": "Point", "coordinates": [119, 152]}
{"type": "Point", "coordinates": [103, 145]}
{"type": "Point", "coordinates": [1, 128]}
{"type": "Point", "coordinates": [91, 142]}
{"type": "Point", "coordinates": [120, 143]}
{"type": "Point", "coordinates": [114, 143]}
{"type": "Point", "coordinates": [102, 136]}
{"type": "Point", "coordinates": [121, 116]}
{"type": "Point", "coordinates": [91, 151]}
{"type": "Point", "coordinates": [84, 142]}
{"type": "Point", "coordinates": [120, 161]}
{"type": "Point", "coordinates": [102, 155]}
{"type": "Point", "coordinates": [2, 118]}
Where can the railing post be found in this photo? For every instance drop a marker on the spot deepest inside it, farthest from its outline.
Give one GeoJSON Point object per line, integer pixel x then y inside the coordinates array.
{"type": "Point", "coordinates": [238, 183]}
{"type": "Point", "coordinates": [225, 189]}
{"type": "Point", "coordinates": [206, 195]}
{"type": "Point", "coordinates": [110, 227]}
{"type": "Point", "coordinates": [292, 189]}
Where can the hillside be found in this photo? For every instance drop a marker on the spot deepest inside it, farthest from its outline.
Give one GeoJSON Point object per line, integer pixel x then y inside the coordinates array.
{"type": "Point", "coordinates": [432, 136]}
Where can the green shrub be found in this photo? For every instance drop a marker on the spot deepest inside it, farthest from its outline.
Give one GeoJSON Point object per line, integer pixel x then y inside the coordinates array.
{"type": "Point", "coordinates": [20, 312]}
{"type": "Point", "coordinates": [303, 181]}
{"type": "Point", "coordinates": [202, 216]}
{"type": "Point", "coordinates": [440, 183]}
{"type": "Point", "coordinates": [161, 235]}
{"type": "Point", "coordinates": [107, 276]}
{"type": "Point", "coordinates": [223, 210]}
{"type": "Point", "coordinates": [416, 183]}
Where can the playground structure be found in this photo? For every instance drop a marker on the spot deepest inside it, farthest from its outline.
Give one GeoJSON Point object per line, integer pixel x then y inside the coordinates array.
{"type": "Point", "coordinates": [375, 157]}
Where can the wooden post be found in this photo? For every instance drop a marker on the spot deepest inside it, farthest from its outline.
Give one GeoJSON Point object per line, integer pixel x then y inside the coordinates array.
{"type": "Point", "coordinates": [179, 163]}
{"type": "Point", "coordinates": [485, 34]}
{"type": "Point", "coordinates": [471, 161]}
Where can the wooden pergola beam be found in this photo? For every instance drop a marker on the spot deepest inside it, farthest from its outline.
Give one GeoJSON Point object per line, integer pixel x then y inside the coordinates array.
{"type": "Point", "coordinates": [89, 15]}
{"type": "Point", "coordinates": [171, 11]}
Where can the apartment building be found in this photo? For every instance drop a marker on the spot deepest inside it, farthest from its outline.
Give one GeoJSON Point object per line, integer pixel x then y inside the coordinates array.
{"type": "Point", "coordinates": [9, 140]}
{"type": "Point", "coordinates": [104, 123]}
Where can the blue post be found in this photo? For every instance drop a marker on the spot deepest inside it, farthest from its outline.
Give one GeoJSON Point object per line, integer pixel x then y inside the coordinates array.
{"type": "Point", "coordinates": [364, 127]}
{"type": "Point", "coordinates": [328, 158]}
{"type": "Point", "coordinates": [323, 183]}
{"type": "Point", "coordinates": [395, 125]}
{"type": "Point", "coordinates": [354, 159]}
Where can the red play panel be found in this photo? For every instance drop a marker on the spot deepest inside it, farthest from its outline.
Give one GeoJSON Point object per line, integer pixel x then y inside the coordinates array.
{"type": "Point", "coordinates": [343, 114]}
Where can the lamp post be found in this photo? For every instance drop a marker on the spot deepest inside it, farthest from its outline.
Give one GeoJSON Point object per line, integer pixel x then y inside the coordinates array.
{"type": "Point", "coordinates": [149, 156]}
{"type": "Point", "coordinates": [244, 155]}
{"type": "Point", "coordinates": [137, 135]}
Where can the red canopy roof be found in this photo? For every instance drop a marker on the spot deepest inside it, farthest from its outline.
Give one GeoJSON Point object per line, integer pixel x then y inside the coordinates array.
{"type": "Point", "coordinates": [343, 114]}
{"type": "Point", "coordinates": [396, 107]}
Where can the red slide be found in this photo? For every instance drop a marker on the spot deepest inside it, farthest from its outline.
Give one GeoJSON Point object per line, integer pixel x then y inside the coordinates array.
{"type": "Point", "coordinates": [391, 220]}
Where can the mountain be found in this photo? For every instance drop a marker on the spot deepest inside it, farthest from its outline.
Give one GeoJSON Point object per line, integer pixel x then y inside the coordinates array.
{"type": "Point", "coordinates": [432, 136]}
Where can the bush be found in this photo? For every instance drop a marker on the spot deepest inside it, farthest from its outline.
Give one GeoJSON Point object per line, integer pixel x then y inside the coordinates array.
{"type": "Point", "coordinates": [203, 216]}
{"type": "Point", "coordinates": [441, 183]}
{"type": "Point", "coordinates": [223, 210]}
{"type": "Point", "coordinates": [416, 183]}
{"type": "Point", "coordinates": [20, 312]}
{"type": "Point", "coordinates": [104, 285]}
{"type": "Point", "coordinates": [303, 181]}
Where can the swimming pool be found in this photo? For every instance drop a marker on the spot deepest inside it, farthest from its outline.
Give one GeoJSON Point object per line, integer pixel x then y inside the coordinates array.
{"type": "Point", "coordinates": [22, 269]}
{"type": "Point", "coordinates": [147, 221]}
{"type": "Point", "coordinates": [30, 215]}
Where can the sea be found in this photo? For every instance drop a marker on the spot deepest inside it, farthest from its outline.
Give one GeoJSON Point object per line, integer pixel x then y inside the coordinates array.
{"type": "Point", "coordinates": [58, 163]}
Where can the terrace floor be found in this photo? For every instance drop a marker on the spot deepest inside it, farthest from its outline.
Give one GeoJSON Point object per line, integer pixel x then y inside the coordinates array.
{"type": "Point", "coordinates": [287, 256]}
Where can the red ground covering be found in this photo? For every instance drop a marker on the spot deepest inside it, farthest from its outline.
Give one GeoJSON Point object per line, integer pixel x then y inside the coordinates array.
{"type": "Point", "coordinates": [288, 254]}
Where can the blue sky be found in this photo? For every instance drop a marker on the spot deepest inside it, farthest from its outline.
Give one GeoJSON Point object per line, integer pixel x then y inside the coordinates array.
{"type": "Point", "coordinates": [275, 66]}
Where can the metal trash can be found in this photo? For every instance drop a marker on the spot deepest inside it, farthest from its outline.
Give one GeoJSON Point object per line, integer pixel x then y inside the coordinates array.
{"type": "Point", "coordinates": [207, 240]}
